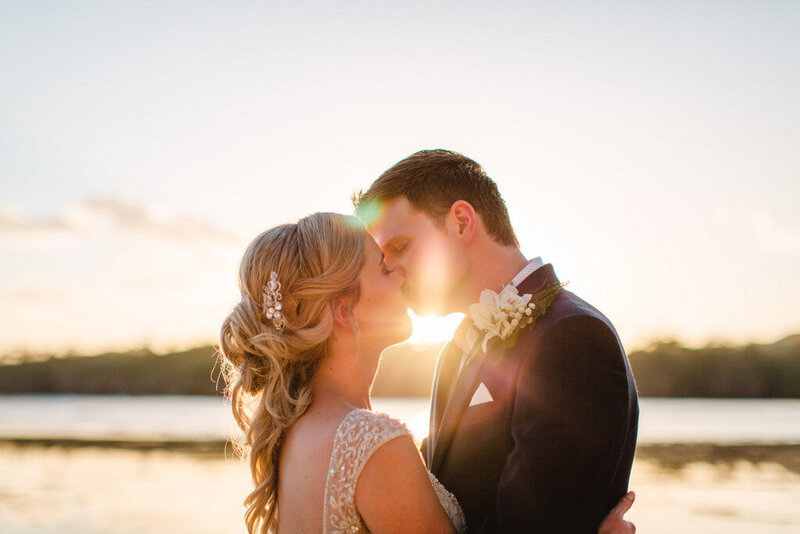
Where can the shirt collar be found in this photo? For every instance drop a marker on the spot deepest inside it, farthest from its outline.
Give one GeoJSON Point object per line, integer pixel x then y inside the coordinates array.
{"type": "Point", "coordinates": [526, 271]}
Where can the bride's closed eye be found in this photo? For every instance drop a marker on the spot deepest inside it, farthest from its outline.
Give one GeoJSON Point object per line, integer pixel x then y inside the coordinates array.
{"type": "Point", "coordinates": [386, 270]}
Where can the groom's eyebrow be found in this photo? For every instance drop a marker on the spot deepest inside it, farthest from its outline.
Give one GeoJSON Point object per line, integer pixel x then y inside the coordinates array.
{"type": "Point", "coordinates": [393, 241]}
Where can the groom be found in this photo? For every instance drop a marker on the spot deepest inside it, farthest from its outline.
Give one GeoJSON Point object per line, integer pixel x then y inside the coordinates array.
{"type": "Point", "coordinates": [537, 435]}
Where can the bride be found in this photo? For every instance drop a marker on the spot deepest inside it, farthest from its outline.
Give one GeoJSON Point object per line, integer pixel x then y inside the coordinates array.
{"type": "Point", "coordinates": [300, 352]}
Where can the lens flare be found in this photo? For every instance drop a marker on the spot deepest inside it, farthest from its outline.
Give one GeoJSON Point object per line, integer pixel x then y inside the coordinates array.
{"type": "Point", "coordinates": [432, 329]}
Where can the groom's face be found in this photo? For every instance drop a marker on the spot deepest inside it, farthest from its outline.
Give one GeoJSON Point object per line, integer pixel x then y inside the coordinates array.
{"type": "Point", "coordinates": [429, 257]}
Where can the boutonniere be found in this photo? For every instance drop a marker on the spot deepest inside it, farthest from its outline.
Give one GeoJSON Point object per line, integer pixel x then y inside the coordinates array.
{"type": "Point", "coordinates": [505, 314]}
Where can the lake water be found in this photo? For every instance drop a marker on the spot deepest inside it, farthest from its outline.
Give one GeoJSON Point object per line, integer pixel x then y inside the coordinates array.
{"type": "Point", "coordinates": [204, 418]}
{"type": "Point", "coordinates": [91, 490]}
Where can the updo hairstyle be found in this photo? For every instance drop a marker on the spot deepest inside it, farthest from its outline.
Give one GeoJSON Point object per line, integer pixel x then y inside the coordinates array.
{"type": "Point", "coordinates": [267, 370]}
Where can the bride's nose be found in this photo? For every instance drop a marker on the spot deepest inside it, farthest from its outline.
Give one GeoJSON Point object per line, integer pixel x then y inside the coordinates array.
{"type": "Point", "coordinates": [390, 261]}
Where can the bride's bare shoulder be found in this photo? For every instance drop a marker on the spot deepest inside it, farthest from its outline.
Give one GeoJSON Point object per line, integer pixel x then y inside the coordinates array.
{"type": "Point", "coordinates": [394, 492]}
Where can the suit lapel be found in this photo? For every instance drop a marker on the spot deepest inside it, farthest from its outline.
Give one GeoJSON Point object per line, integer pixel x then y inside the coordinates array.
{"type": "Point", "coordinates": [465, 386]}
{"type": "Point", "coordinates": [446, 370]}
{"type": "Point", "coordinates": [443, 427]}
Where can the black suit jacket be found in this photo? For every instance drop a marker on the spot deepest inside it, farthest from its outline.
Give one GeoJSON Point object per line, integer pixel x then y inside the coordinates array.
{"type": "Point", "coordinates": [553, 451]}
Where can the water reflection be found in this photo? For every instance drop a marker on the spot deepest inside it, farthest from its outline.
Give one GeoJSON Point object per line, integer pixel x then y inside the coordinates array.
{"type": "Point", "coordinates": [56, 489]}
{"type": "Point", "coordinates": [676, 457]}
{"type": "Point", "coordinates": [162, 464]}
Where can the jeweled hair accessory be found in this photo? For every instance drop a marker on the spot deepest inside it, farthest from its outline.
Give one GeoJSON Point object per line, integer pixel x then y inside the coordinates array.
{"type": "Point", "coordinates": [271, 301]}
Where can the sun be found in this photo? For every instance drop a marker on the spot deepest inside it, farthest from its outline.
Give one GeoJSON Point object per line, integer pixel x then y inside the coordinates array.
{"type": "Point", "coordinates": [432, 329]}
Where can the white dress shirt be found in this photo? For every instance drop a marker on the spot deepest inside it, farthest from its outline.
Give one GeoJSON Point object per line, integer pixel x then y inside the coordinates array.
{"type": "Point", "coordinates": [526, 271]}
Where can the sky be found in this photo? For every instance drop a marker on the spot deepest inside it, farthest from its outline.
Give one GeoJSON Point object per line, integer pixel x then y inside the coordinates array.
{"type": "Point", "coordinates": [647, 150]}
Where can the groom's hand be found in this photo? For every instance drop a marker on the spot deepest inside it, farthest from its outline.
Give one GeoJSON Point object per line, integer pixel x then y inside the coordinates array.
{"type": "Point", "coordinates": [614, 522]}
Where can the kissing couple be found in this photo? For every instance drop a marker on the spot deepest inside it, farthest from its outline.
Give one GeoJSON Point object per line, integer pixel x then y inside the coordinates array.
{"type": "Point", "coordinates": [534, 409]}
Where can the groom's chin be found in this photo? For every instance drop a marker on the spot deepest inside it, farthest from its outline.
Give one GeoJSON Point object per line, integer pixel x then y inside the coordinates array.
{"type": "Point", "coordinates": [426, 308]}
{"type": "Point", "coordinates": [420, 306]}
{"type": "Point", "coordinates": [433, 301]}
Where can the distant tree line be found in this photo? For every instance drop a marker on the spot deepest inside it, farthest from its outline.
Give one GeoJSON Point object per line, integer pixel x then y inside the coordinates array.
{"type": "Point", "coordinates": [137, 372]}
{"type": "Point", "coordinates": [665, 369]}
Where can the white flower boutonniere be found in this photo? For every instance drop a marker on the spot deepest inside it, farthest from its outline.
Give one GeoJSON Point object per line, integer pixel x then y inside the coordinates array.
{"type": "Point", "coordinates": [505, 314]}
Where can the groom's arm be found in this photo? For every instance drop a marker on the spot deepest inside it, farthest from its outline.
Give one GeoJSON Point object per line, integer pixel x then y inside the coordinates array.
{"type": "Point", "coordinates": [570, 412]}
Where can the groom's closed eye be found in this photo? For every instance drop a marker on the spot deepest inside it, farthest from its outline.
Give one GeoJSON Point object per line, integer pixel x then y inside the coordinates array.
{"type": "Point", "coordinates": [396, 246]}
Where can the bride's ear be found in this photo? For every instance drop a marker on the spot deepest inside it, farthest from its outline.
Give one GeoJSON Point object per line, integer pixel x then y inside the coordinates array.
{"type": "Point", "coordinates": [463, 220]}
{"type": "Point", "coordinates": [342, 313]}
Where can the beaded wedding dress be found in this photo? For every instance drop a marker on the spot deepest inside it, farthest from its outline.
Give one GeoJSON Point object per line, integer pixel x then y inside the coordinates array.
{"type": "Point", "coordinates": [360, 434]}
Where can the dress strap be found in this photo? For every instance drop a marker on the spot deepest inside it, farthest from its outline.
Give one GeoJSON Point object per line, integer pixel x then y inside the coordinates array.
{"type": "Point", "coordinates": [359, 435]}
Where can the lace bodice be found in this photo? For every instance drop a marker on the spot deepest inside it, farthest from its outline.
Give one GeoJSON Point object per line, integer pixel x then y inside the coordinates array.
{"type": "Point", "coordinates": [360, 434]}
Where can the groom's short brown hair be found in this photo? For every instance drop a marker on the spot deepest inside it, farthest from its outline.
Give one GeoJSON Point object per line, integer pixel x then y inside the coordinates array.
{"type": "Point", "coordinates": [432, 180]}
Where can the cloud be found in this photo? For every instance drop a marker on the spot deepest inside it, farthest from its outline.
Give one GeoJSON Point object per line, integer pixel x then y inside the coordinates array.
{"type": "Point", "coordinates": [13, 222]}
{"type": "Point", "coordinates": [107, 272]}
{"type": "Point", "coordinates": [108, 215]}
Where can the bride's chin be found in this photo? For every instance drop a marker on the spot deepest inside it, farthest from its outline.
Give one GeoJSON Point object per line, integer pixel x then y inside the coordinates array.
{"type": "Point", "coordinates": [408, 327]}
{"type": "Point", "coordinates": [398, 334]}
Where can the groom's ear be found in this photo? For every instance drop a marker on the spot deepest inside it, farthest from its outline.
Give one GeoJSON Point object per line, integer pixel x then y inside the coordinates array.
{"type": "Point", "coordinates": [463, 220]}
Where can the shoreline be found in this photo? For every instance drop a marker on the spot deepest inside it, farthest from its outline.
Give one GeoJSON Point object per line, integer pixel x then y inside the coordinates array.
{"type": "Point", "coordinates": [669, 456]}
{"type": "Point", "coordinates": [675, 456]}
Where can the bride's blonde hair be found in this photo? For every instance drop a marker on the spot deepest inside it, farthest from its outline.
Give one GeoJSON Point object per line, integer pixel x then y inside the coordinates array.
{"type": "Point", "coordinates": [267, 371]}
